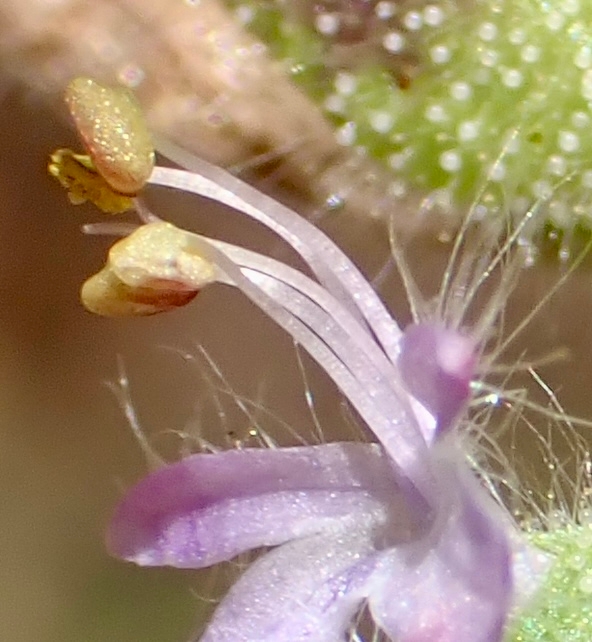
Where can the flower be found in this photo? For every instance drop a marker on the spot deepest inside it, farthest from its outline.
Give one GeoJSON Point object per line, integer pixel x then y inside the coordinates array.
{"type": "Point", "coordinates": [341, 524]}
{"type": "Point", "coordinates": [402, 526]}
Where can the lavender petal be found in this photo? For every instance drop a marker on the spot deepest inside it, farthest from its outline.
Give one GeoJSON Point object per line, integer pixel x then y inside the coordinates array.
{"type": "Point", "coordinates": [211, 507]}
{"type": "Point", "coordinates": [456, 584]}
{"type": "Point", "coordinates": [437, 365]}
{"type": "Point", "coordinates": [296, 593]}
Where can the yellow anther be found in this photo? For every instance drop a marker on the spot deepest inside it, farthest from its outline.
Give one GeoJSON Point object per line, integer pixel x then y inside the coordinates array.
{"type": "Point", "coordinates": [152, 270]}
{"type": "Point", "coordinates": [113, 129]}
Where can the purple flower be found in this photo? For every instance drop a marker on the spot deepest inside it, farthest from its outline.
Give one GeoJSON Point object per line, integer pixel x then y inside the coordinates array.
{"type": "Point", "coordinates": [344, 535]}
{"type": "Point", "coordinates": [402, 526]}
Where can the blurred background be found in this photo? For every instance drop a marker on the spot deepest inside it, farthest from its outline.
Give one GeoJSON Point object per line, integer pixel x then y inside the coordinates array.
{"type": "Point", "coordinates": [66, 449]}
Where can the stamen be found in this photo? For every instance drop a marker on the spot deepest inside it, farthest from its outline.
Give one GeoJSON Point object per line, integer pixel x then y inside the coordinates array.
{"type": "Point", "coordinates": [114, 132]}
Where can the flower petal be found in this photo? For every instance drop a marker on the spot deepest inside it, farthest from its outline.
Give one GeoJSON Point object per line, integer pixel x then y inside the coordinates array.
{"type": "Point", "coordinates": [437, 364]}
{"type": "Point", "coordinates": [296, 593]}
{"type": "Point", "coordinates": [455, 585]}
{"type": "Point", "coordinates": [211, 507]}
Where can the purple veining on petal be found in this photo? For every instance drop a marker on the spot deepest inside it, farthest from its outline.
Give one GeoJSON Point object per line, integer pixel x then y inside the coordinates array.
{"type": "Point", "coordinates": [437, 365]}
{"type": "Point", "coordinates": [211, 507]}
{"type": "Point", "coordinates": [294, 593]}
{"type": "Point", "coordinates": [343, 537]}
